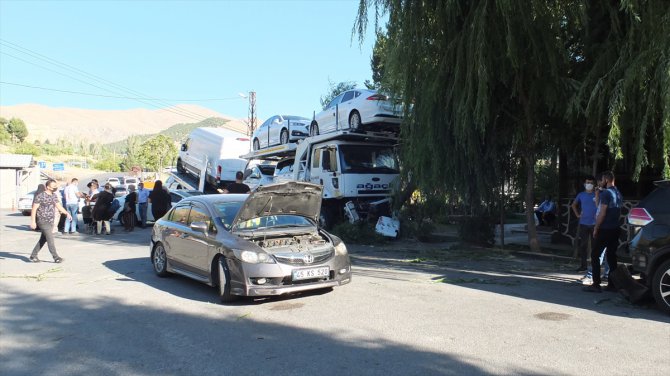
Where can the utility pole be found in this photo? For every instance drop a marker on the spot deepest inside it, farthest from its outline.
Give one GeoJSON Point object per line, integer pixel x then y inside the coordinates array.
{"type": "Point", "coordinates": [251, 125]}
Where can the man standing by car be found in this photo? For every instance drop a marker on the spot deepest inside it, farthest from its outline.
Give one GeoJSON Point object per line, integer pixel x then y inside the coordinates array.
{"type": "Point", "coordinates": [584, 207]}
{"type": "Point", "coordinates": [72, 195]}
{"type": "Point", "coordinates": [238, 186]}
{"type": "Point", "coordinates": [606, 230]}
{"type": "Point", "coordinates": [42, 216]}
{"type": "Point", "coordinates": [143, 202]}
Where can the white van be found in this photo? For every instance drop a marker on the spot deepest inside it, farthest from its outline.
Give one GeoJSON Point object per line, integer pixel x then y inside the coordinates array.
{"type": "Point", "coordinates": [221, 148]}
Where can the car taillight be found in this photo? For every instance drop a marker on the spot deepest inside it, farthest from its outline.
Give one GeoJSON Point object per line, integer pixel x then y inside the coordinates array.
{"type": "Point", "coordinates": [218, 172]}
{"type": "Point", "coordinates": [377, 97]}
{"type": "Point", "coordinates": [639, 217]}
{"type": "Point", "coordinates": [242, 139]}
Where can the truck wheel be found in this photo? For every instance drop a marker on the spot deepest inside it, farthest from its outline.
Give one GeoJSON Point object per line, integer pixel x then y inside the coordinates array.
{"type": "Point", "coordinates": [661, 286]}
{"type": "Point", "coordinates": [284, 137]}
{"type": "Point", "coordinates": [257, 145]}
{"type": "Point", "coordinates": [314, 129]}
{"type": "Point", "coordinates": [180, 167]}
{"type": "Point", "coordinates": [354, 120]}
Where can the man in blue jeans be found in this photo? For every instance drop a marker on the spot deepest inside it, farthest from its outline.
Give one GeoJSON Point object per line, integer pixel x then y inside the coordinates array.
{"type": "Point", "coordinates": [71, 196]}
{"type": "Point", "coordinates": [143, 202]}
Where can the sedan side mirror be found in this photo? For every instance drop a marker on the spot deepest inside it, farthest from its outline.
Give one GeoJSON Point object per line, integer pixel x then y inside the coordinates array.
{"type": "Point", "coordinates": [200, 227]}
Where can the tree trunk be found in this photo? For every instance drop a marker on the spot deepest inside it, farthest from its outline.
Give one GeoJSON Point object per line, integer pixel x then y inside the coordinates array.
{"type": "Point", "coordinates": [530, 203]}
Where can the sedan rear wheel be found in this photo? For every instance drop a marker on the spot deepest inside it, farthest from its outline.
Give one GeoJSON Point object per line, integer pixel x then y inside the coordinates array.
{"type": "Point", "coordinates": [355, 120]}
{"type": "Point", "coordinates": [224, 282]}
{"type": "Point", "coordinates": [284, 137]}
{"type": "Point", "coordinates": [159, 259]}
{"type": "Point", "coordinates": [661, 286]}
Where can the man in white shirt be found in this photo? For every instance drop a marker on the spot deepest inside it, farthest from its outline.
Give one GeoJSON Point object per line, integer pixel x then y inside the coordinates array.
{"type": "Point", "coordinates": [143, 202]}
{"type": "Point", "coordinates": [71, 196]}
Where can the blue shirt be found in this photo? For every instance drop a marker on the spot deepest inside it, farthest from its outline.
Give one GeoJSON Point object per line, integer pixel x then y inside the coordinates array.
{"type": "Point", "coordinates": [546, 206]}
{"type": "Point", "coordinates": [612, 198]}
{"type": "Point", "coordinates": [142, 195]}
{"type": "Point", "coordinates": [587, 202]}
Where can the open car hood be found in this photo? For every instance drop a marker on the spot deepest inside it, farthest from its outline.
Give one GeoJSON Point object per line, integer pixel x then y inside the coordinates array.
{"type": "Point", "coordinates": [294, 198]}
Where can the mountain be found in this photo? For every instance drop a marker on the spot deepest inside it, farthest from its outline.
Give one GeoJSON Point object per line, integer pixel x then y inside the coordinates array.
{"type": "Point", "coordinates": [106, 126]}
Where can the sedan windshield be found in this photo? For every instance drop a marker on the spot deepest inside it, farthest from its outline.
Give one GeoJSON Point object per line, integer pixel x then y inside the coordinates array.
{"type": "Point", "coordinates": [368, 159]}
{"type": "Point", "coordinates": [274, 221]}
{"type": "Point", "coordinates": [226, 211]}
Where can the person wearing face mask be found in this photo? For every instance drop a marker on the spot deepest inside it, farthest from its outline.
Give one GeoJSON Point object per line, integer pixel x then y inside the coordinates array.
{"type": "Point", "coordinates": [584, 208]}
{"type": "Point", "coordinates": [606, 230]}
{"type": "Point", "coordinates": [42, 216]}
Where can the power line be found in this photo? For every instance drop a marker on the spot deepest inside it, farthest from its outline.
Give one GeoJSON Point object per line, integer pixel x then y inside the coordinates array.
{"type": "Point", "coordinates": [115, 96]}
{"type": "Point", "coordinates": [96, 86]}
{"type": "Point", "coordinates": [142, 98]}
{"type": "Point", "coordinates": [36, 55]}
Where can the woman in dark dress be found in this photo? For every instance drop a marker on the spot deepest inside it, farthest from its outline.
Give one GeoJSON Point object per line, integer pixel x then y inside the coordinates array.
{"type": "Point", "coordinates": [129, 209]}
{"type": "Point", "coordinates": [101, 210]}
{"type": "Point", "coordinates": [160, 200]}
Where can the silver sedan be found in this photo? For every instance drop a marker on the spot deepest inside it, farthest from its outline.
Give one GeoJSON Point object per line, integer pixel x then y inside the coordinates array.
{"type": "Point", "coordinates": [262, 244]}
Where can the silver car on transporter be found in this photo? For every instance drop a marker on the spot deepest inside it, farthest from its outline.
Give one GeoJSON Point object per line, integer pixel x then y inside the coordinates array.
{"type": "Point", "coordinates": [265, 243]}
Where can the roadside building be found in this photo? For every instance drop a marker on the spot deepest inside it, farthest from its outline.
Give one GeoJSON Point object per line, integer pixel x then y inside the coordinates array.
{"type": "Point", "coordinates": [18, 176]}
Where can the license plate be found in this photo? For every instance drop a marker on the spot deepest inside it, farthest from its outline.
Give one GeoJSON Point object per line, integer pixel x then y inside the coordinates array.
{"type": "Point", "coordinates": [310, 273]}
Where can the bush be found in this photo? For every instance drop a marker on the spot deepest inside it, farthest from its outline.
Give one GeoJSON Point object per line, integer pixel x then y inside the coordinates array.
{"type": "Point", "coordinates": [477, 230]}
{"type": "Point", "coordinates": [358, 233]}
{"type": "Point", "coordinates": [26, 148]}
{"type": "Point", "coordinates": [107, 165]}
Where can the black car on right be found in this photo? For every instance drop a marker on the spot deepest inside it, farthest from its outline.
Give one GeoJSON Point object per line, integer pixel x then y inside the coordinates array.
{"type": "Point", "coordinates": [650, 245]}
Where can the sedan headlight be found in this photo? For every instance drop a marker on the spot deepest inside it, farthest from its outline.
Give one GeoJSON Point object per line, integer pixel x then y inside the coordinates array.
{"type": "Point", "coordinates": [253, 257]}
{"type": "Point", "coordinates": [341, 249]}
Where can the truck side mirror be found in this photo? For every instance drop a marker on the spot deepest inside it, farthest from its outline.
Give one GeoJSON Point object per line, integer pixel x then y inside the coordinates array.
{"type": "Point", "coordinates": [183, 147]}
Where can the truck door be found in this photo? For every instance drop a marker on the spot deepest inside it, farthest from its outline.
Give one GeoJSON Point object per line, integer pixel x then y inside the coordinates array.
{"type": "Point", "coordinates": [326, 174]}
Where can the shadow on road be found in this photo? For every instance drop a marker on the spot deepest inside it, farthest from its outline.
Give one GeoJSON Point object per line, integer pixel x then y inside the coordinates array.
{"type": "Point", "coordinates": [141, 270]}
{"type": "Point", "coordinates": [111, 337]}
{"type": "Point", "coordinates": [497, 272]}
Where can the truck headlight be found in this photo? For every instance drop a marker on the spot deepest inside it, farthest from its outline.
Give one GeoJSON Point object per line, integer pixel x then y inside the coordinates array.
{"type": "Point", "coordinates": [253, 257]}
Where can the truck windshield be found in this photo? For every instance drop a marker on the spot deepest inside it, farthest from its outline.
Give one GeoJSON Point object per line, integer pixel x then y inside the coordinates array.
{"type": "Point", "coordinates": [368, 159]}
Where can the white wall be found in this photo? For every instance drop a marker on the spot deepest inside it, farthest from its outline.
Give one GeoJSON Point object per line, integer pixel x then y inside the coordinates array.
{"type": "Point", "coordinates": [10, 192]}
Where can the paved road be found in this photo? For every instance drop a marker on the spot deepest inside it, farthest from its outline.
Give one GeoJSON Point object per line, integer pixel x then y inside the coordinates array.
{"type": "Point", "coordinates": [411, 309]}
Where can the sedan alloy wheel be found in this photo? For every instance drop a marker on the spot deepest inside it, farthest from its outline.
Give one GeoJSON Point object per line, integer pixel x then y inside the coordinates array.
{"type": "Point", "coordinates": [159, 260]}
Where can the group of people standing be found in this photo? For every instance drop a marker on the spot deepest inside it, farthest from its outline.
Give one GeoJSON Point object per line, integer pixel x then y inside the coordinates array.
{"type": "Point", "coordinates": [48, 206]}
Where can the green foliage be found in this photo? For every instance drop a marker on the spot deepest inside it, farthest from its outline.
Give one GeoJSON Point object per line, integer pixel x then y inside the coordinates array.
{"type": "Point", "coordinates": [336, 89]}
{"type": "Point", "coordinates": [26, 148]}
{"type": "Point", "coordinates": [5, 137]}
{"type": "Point", "coordinates": [107, 165]}
{"type": "Point", "coordinates": [17, 129]}
{"type": "Point", "coordinates": [157, 152]}
{"type": "Point", "coordinates": [477, 230]}
{"type": "Point", "coordinates": [358, 233]}
{"type": "Point", "coordinates": [132, 156]}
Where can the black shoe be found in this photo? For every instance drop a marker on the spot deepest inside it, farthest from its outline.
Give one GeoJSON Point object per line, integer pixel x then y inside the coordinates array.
{"type": "Point", "coordinates": [59, 260]}
{"type": "Point", "coordinates": [581, 269]}
{"type": "Point", "coordinates": [592, 288]}
{"type": "Point", "coordinates": [34, 259]}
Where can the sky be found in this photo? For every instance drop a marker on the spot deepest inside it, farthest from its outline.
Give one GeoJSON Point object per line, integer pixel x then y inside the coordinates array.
{"type": "Point", "coordinates": [180, 52]}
